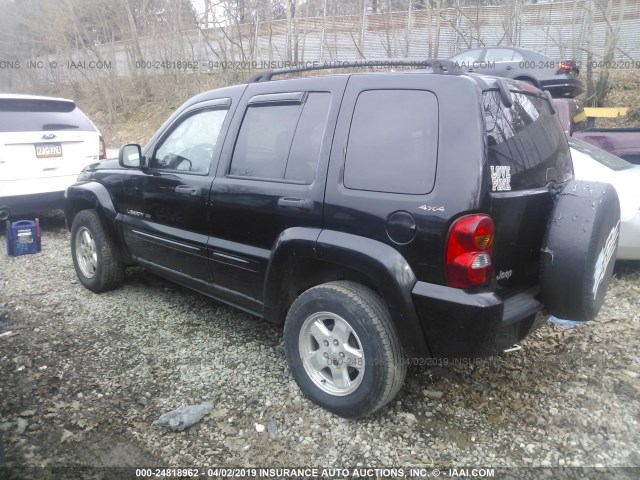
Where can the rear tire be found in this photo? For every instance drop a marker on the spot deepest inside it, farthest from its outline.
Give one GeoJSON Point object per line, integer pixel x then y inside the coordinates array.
{"type": "Point", "coordinates": [579, 250]}
{"type": "Point", "coordinates": [93, 254]}
{"type": "Point", "coordinates": [343, 350]}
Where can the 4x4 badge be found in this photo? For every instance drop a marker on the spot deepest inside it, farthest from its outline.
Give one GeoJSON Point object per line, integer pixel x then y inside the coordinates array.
{"type": "Point", "coordinates": [428, 208]}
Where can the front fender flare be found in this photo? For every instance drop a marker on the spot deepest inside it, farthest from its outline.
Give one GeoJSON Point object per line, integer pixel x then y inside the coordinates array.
{"type": "Point", "coordinates": [80, 195]}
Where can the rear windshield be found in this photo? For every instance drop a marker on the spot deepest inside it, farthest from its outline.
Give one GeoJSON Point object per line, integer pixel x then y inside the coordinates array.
{"type": "Point", "coordinates": [526, 145]}
{"type": "Point", "coordinates": [26, 115]}
{"type": "Point", "coordinates": [601, 156]}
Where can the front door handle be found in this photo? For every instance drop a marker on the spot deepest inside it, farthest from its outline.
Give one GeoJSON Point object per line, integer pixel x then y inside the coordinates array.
{"type": "Point", "coordinates": [298, 203]}
{"type": "Point", "coordinates": [509, 67]}
{"type": "Point", "coordinates": [187, 190]}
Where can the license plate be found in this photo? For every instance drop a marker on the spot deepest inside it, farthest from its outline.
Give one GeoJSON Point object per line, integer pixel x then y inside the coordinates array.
{"type": "Point", "coordinates": [48, 150]}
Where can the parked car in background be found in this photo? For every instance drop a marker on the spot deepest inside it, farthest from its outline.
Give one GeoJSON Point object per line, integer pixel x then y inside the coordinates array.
{"type": "Point", "coordinates": [560, 77]}
{"type": "Point", "coordinates": [594, 164]}
{"type": "Point", "coordinates": [44, 144]}
{"type": "Point", "coordinates": [622, 142]}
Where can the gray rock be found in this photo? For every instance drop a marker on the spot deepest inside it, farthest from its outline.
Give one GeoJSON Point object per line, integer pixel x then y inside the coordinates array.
{"type": "Point", "coordinates": [22, 426]}
{"type": "Point", "coordinates": [182, 418]}
{"type": "Point", "coordinates": [272, 427]}
{"type": "Point", "coordinates": [432, 394]}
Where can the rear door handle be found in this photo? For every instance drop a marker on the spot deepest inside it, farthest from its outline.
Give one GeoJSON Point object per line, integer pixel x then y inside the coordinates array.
{"type": "Point", "coordinates": [298, 203]}
{"type": "Point", "coordinates": [509, 67]}
{"type": "Point", "coordinates": [187, 190]}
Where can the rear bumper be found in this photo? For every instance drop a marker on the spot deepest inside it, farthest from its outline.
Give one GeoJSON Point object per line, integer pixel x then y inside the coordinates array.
{"type": "Point", "coordinates": [562, 86]}
{"type": "Point", "coordinates": [34, 203]}
{"type": "Point", "coordinates": [34, 195]}
{"type": "Point", "coordinates": [459, 325]}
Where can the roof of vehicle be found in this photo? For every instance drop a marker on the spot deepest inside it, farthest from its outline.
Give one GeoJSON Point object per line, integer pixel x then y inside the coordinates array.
{"type": "Point", "coordinates": [436, 65]}
{"type": "Point", "coordinates": [17, 96]}
{"type": "Point", "coordinates": [484, 81]}
{"type": "Point", "coordinates": [522, 50]}
{"type": "Point", "coordinates": [517, 49]}
{"type": "Point", "coordinates": [487, 82]}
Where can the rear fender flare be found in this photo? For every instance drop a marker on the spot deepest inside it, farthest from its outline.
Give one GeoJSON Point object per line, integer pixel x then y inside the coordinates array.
{"type": "Point", "coordinates": [293, 244]}
{"type": "Point", "coordinates": [381, 264]}
{"type": "Point", "coordinates": [391, 274]}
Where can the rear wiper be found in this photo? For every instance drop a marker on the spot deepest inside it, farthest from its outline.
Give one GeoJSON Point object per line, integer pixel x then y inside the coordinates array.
{"type": "Point", "coordinates": [547, 95]}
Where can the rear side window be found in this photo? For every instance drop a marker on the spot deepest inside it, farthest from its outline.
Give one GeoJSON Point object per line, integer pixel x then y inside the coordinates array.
{"type": "Point", "coordinates": [502, 55]}
{"type": "Point", "coordinates": [26, 115]}
{"type": "Point", "coordinates": [281, 141]}
{"type": "Point", "coordinates": [526, 144]}
{"type": "Point", "coordinates": [467, 57]}
{"type": "Point", "coordinates": [393, 142]}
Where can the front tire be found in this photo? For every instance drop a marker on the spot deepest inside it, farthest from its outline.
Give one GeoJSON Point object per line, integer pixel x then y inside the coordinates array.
{"type": "Point", "coordinates": [93, 254]}
{"type": "Point", "coordinates": [343, 350]}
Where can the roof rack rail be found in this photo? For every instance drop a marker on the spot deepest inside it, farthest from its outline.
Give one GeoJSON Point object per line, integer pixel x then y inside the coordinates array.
{"type": "Point", "coordinates": [438, 66]}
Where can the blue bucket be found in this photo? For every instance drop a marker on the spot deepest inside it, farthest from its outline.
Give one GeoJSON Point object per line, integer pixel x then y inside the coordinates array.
{"type": "Point", "coordinates": [23, 237]}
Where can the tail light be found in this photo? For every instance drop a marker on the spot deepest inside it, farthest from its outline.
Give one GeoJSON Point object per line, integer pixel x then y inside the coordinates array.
{"type": "Point", "coordinates": [103, 149]}
{"type": "Point", "coordinates": [566, 66]}
{"type": "Point", "coordinates": [469, 251]}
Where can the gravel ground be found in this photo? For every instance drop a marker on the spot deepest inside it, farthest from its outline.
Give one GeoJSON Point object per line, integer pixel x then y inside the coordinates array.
{"type": "Point", "coordinates": [84, 375]}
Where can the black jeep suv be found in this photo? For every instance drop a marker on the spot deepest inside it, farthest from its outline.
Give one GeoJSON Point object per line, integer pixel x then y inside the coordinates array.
{"type": "Point", "coordinates": [382, 217]}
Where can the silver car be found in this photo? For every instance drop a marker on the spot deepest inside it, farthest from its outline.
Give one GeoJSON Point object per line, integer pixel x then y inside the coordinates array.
{"type": "Point", "coordinates": [560, 77]}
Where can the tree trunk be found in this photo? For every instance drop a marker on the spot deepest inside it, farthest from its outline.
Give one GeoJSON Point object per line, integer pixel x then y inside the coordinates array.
{"type": "Point", "coordinates": [589, 48]}
{"type": "Point", "coordinates": [289, 46]}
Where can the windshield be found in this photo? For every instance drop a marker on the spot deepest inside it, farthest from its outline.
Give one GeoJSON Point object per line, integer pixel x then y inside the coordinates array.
{"type": "Point", "coordinates": [27, 115]}
{"type": "Point", "coordinates": [526, 145]}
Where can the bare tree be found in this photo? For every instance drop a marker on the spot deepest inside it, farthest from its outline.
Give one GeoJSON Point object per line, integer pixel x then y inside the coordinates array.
{"type": "Point", "coordinates": [611, 41]}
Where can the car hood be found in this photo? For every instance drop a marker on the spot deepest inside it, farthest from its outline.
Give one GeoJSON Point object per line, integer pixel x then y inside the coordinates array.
{"type": "Point", "coordinates": [626, 181]}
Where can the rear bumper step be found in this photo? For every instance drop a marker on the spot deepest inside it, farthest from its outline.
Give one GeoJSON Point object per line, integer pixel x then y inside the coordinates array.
{"type": "Point", "coordinates": [459, 324]}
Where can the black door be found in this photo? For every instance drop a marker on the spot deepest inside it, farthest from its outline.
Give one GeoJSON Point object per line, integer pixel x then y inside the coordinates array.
{"type": "Point", "coordinates": [270, 179]}
{"type": "Point", "coordinates": [166, 214]}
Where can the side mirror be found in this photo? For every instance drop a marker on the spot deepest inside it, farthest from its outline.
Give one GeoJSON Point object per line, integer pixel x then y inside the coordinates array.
{"type": "Point", "coordinates": [130, 156]}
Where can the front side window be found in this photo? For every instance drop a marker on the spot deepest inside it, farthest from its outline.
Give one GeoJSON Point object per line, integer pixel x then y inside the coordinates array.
{"type": "Point", "coordinates": [189, 147]}
{"type": "Point", "coordinates": [393, 142]}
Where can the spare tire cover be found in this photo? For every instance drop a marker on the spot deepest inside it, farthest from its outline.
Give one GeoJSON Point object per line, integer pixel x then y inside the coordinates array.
{"type": "Point", "coordinates": [579, 250]}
